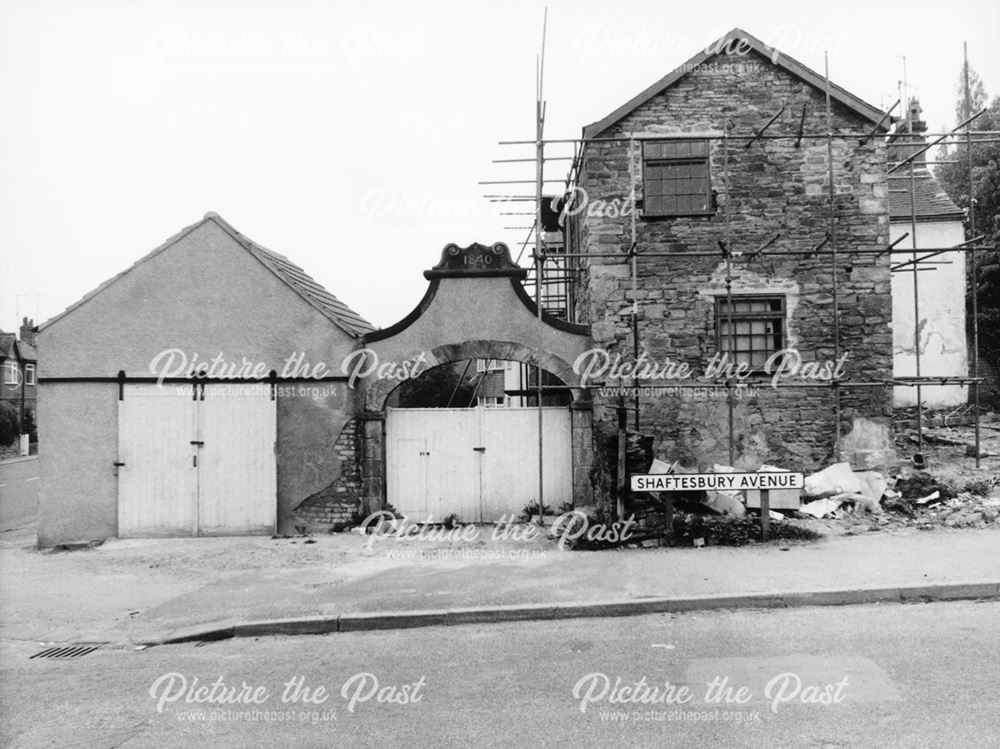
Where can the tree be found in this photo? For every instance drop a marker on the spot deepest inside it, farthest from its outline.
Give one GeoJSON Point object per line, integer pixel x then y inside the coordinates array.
{"type": "Point", "coordinates": [10, 425]}
{"type": "Point", "coordinates": [969, 81]}
{"type": "Point", "coordinates": [978, 194]}
{"type": "Point", "coordinates": [435, 388]}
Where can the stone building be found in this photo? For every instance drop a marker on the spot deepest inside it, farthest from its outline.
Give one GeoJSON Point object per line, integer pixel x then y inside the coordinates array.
{"type": "Point", "coordinates": [698, 195]}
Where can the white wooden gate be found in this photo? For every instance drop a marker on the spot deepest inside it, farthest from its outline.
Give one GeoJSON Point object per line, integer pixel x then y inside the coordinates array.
{"type": "Point", "coordinates": [196, 467]}
{"type": "Point", "coordinates": [477, 463]}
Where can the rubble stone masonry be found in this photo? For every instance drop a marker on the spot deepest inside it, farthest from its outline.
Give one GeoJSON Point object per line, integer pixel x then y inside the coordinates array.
{"type": "Point", "coordinates": [773, 186]}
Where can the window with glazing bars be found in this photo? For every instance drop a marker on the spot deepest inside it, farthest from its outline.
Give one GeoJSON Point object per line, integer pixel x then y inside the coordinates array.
{"type": "Point", "coordinates": [758, 328]}
{"type": "Point", "coordinates": [676, 178]}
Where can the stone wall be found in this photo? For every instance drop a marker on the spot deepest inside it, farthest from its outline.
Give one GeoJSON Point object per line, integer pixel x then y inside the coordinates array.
{"type": "Point", "coordinates": [773, 186]}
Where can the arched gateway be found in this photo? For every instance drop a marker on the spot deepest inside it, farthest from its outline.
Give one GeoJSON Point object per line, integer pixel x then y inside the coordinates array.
{"type": "Point", "coordinates": [475, 463]}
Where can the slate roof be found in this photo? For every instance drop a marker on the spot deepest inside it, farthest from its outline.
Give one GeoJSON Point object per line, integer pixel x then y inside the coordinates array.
{"type": "Point", "coordinates": [793, 66]}
{"type": "Point", "coordinates": [302, 283]}
{"type": "Point", "coordinates": [932, 202]}
{"type": "Point", "coordinates": [7, 344]}
{"type": "Point", "coordinates": [11, 348]}
{"type": "Point", "coordinates": [291, 274]}
{"type": "Point", "coordinates": [28, 352]}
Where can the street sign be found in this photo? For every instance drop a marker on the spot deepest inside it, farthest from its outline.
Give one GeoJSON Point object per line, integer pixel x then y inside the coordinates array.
{"type": "Point", "coordinates": [721, 482]}
{"type": "Point", "coordinates": [763, 481]}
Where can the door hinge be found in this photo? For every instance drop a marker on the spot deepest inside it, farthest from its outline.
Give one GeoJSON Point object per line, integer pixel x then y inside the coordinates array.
{"type": "Point", "coordinates": [199, 443]}
{"type": "Point", "coordinates": [479, 449]}
{"type": "Point", "coordinates": [119, 463]}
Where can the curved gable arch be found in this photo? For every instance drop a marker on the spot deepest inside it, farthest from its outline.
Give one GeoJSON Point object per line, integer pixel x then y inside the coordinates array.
{"type": "Point", "coordinates": [475, 307]}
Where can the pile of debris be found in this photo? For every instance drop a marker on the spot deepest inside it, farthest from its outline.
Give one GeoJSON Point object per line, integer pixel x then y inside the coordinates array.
{"type": "Point", "coordinates": [838, 489]}
{"type": "Point", "coordinates": [835, 499]}
{"type": "Point", "coordinates": [914, 499]}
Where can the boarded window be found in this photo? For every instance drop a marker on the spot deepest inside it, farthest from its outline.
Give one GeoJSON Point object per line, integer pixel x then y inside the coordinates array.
{"type": "Point", "coordinates": [758, 328]}
{"type": "Point", "coordinates": [676, 178]}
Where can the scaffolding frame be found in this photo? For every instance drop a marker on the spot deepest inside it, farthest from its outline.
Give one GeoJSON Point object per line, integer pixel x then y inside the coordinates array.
{"type": "Point", "coordinates": [915, 264]}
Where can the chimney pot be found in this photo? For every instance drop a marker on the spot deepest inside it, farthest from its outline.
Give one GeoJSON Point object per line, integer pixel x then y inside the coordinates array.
{"type": "Point", "coordinates": [28, 331]}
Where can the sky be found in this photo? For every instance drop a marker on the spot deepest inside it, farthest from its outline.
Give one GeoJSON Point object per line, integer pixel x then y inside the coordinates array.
{"type": "Point", "coordinates": [351, 137]}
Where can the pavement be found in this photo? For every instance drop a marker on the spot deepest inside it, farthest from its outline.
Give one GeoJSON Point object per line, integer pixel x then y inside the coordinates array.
{"type": "Point", "coordinates": [145, 592]}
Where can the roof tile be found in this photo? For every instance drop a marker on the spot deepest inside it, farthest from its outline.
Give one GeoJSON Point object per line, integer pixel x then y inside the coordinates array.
{"type": "Point", "coordinates": [931, 201]}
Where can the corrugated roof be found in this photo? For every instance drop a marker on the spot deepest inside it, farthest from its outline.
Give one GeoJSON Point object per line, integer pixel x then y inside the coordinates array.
{"type": "Point", "coordinates": [292, 275]}
{"type": "Point", "coordinates": [932, 202]}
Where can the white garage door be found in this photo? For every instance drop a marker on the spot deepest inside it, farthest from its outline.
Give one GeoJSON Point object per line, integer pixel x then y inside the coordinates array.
{"type": "Point", "coordinates": [480, 464]}
{"type": "Point", "coordinates": [196, 467]}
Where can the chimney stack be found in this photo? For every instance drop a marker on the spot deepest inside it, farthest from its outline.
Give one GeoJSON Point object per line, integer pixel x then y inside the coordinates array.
{"type": "Point", "coordinates": [910, 129]}
{"type": "Point", "coordinates": [916, 127]}
{"type": "Point", "coordinates": [28, 331]}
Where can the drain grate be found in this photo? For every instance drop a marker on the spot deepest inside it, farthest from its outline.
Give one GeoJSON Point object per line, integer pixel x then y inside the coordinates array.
{"type": "Point", "coordinates": [67, 651]}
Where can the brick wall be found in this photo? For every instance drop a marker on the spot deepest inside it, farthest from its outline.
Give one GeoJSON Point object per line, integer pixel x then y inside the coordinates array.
{"type": "Point", "coordinates": [336, 506]}
{"type": "Point", "coordinates": [773, 187]}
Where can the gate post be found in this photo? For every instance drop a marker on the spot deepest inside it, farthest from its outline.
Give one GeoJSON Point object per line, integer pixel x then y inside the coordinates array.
{"type": "Point", "coordinates": [581, 415]}
{"type": "Point", "coordinates": [373, 462]}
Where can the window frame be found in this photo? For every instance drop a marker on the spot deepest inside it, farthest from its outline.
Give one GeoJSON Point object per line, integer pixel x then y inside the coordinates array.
{"type": "Point", "coordinates": [483, 365]}
{"type": "Point", "coordinates": [722, 317]}
{"type": "Point", "coordinates": [650, 162]}
{"type": "Point", "coordinates": [10, 373]}
{"type": "Point", "coordinates": [29, 374]}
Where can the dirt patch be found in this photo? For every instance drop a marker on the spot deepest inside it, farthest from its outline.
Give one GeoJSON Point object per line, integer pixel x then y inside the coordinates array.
{"type": "Point", "coordinates": [944, 452]}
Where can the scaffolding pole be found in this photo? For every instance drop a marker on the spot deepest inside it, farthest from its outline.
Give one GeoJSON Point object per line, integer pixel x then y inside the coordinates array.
{"type": "Point", "coordinates": [972, 230]}
{"type": "Point", "coordinates": [832, 235]}
{"type": "Point", "coordinates": [991, 136]}
{"type": "Point", "coordinates": [539, 257]}
{"type": "Point", "coordinates": [729, 253]}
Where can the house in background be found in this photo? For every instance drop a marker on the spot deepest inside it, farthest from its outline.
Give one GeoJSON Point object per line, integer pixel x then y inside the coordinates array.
{"type": "Point", "coordinates": [495, 379]}
{"type": "Point", "coordinates": [928, 220]}
{"type": "Point", "coordinates": [502, 383]}
{"type": "Point", "coordinates": [19, 369]}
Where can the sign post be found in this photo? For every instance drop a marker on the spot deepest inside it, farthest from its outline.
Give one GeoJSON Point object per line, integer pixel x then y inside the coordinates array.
{"type": "Point", "coordinates": [762, 481]}
{"type": "Point", "coordinates": [765, 514]}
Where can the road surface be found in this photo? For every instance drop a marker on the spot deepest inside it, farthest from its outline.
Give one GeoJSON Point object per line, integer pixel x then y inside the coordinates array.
{"type": "Point", "coordinates": [18, 493]}
{"type": "Point", "coordinates": [919, 675]}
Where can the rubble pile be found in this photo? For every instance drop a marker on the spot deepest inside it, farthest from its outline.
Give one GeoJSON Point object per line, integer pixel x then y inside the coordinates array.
{"type": "Point", "coordinates": [943, 489]}
{"type": "Point", "coordinates": [835, 500]}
